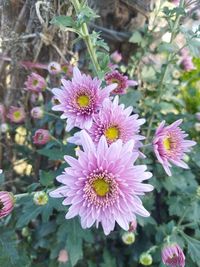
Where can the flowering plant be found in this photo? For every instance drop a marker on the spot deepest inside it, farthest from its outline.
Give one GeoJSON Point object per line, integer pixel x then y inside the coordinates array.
{"type": "Point", "coordinates": [104, 149]}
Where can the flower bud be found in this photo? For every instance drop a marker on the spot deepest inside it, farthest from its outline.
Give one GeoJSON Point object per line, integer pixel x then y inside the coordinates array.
{"type": "Point", "coordinates": [197, 126]}
{"type": "Point", "coordinates": [7, 202]}
{"type": "Point", "coordinates": [41, 137]}
{"type": "Point", "coordinates": [172, 255]}
{"type": "Point", "coordinates": [40, 198]}
{"type": "Point", "coordinates": [116, 56]}
{"type": "Point", "coordinates": [37, 112]}
{"type": "Point", "coordinates": [4, 128]}
{"type": "Point", "coordinates": [133, 226]}
{"type": "Point", "coordinates": [25, 232]}
{"type": "Point", "coordinates": [128, 238]}
{"type": "Point", "coordinates": [63, 256]}
{"type": "Point", "coordinates": [54, 68]}
{"type": "Point", "coordinates": [198, 116]}
{"type": "Point", "coordinates": [198, 192]}
{"type": "Point", "coordinates": [146, 259]}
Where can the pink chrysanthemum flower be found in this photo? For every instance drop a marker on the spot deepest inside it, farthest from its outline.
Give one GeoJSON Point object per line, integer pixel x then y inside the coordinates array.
{"type": "Point", "coordinates": [103, 185]}
{"type": "Point", "coordinates": [16, 114]}
{"type": "Point", "coordinates": [173, 256]}
{"type": "Point", "coordinates": [170, 145]}
{"type": "Point", "coordinates": [121, 80]}
{"type": "Point", "coordinates": [41, 137]}
{"type": "Point", "coordinates": [80, 99]}
{"type": "Point", "coordinates": [115, 122]}
{"type": "Point", "coordinates": [6, 203]}
{"type": "Point", "coordinates": [35, 83]}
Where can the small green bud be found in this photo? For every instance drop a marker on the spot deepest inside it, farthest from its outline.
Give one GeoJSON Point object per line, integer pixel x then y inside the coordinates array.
{"type": "Point", "coordinates": [128, 238]}
{"type": "Point", "coordinates": [25, 232]}
{"type": "Point", "coordinates": [146, 259]}
{"type": "Point", "coordinates": [198, 192]}
{"type": "Point", "coordinates": [40, 198]}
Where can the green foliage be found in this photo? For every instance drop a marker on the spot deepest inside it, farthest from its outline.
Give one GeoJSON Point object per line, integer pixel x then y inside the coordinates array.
{"type": "Point", "coordinates": [193, 248]}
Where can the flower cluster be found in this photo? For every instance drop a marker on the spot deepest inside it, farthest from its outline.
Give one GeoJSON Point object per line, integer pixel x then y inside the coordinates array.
{"type": "Point", "coordinates": [103, 185]}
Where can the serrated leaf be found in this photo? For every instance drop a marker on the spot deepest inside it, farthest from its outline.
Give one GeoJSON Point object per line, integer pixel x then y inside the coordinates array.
{"type": "Point", "coordinates": [63, 21]}
{"type": "Point", "coordinates": [52, 154]}
{"type": "Point", "coordinates": [73, 235]}
{"type": "Point", "coordinates": [30, 213]}
{"type": "Point", "coordinates": [193, 248]}
{"type": "Point", "coordinates": [8, 249]}
{"type": "Point", "coordinates": [46, 178]}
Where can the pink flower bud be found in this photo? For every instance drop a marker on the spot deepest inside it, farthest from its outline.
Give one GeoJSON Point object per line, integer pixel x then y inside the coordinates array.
{"type": "Point", "coordinates": [133, 226]}
{"type": "Point", "coordinates": [37, 112]}
{"type": "Point", "coordinates": [16, 114]}
{"type": "Point", "coordinates": [35, 83]}
{"type": "Point", "coordinates": [173, 256]}
{"type": "Point", "coordinates": [63, 256]}
{"type": "Point", "coordinates": [6, 203]}
{"type": "Point", "coordinates": [54, 68]}
{"type": "Point", "coordinates": [116, 56]}
{"type": "Point", "coordinates": [41, 137]}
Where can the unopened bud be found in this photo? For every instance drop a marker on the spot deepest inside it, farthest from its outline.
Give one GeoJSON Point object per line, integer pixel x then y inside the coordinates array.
{"type": "Point", "coordinates": [128, 238]}
{"type": "Point", "coordinates": [40, 198]}
{"type": "Point", "coordinates": [146, 259]}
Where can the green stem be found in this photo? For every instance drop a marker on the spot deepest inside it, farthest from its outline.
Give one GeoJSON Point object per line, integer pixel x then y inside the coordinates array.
{"type": "Point", "coordinates": [56, 140]}
{"type": "Point", "coordinates": [51, 114]}
{"type": "Point", "coordinates": [86, 38]}
{"type": "Point", "coordinates": [162, 80]}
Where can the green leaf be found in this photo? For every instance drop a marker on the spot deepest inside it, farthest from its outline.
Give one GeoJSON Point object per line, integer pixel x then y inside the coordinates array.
{"type": "Point", "coordinates": [108, 259]}
{"type": "Point", "coordinates": [46, 178]}
{"type": "Point", "coordinates": [73, 235]}
{"type": "Point", "coordinates": [193, 248]}
{"type": "Point", "coordinates": [29, 212]}
{"type": "Point", "coordinates": [2, 178]}
{"type": "Point", "coordinates": [131, 98]}
{"type": "Point", "coordinates": [167, 47]}
{"type": "Point", "coordinates": [136, 38]}
{"type": "Point", "coordinates": [52, 154]}
{"type": "Point", "coordinates": [63, 21]}
{"type": "Point", "coordinates": [8, 251]}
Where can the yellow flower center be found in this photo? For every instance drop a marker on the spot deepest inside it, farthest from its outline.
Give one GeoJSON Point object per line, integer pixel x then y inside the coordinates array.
{"type": "Point", "coordinates": [35, 82]}
{"type": "Point", "coordinates": [167, 143]}
{"type": "Point", "coordinates": [115, 81]}
{"type": "Point", "coordinates": [83, 101]}
{"type": "Point", "coordinates": [101, 187]}
{"type": "Point", "coordinates": [17, 114]}
{"type": "Point", "coordinates": [112, 133]}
